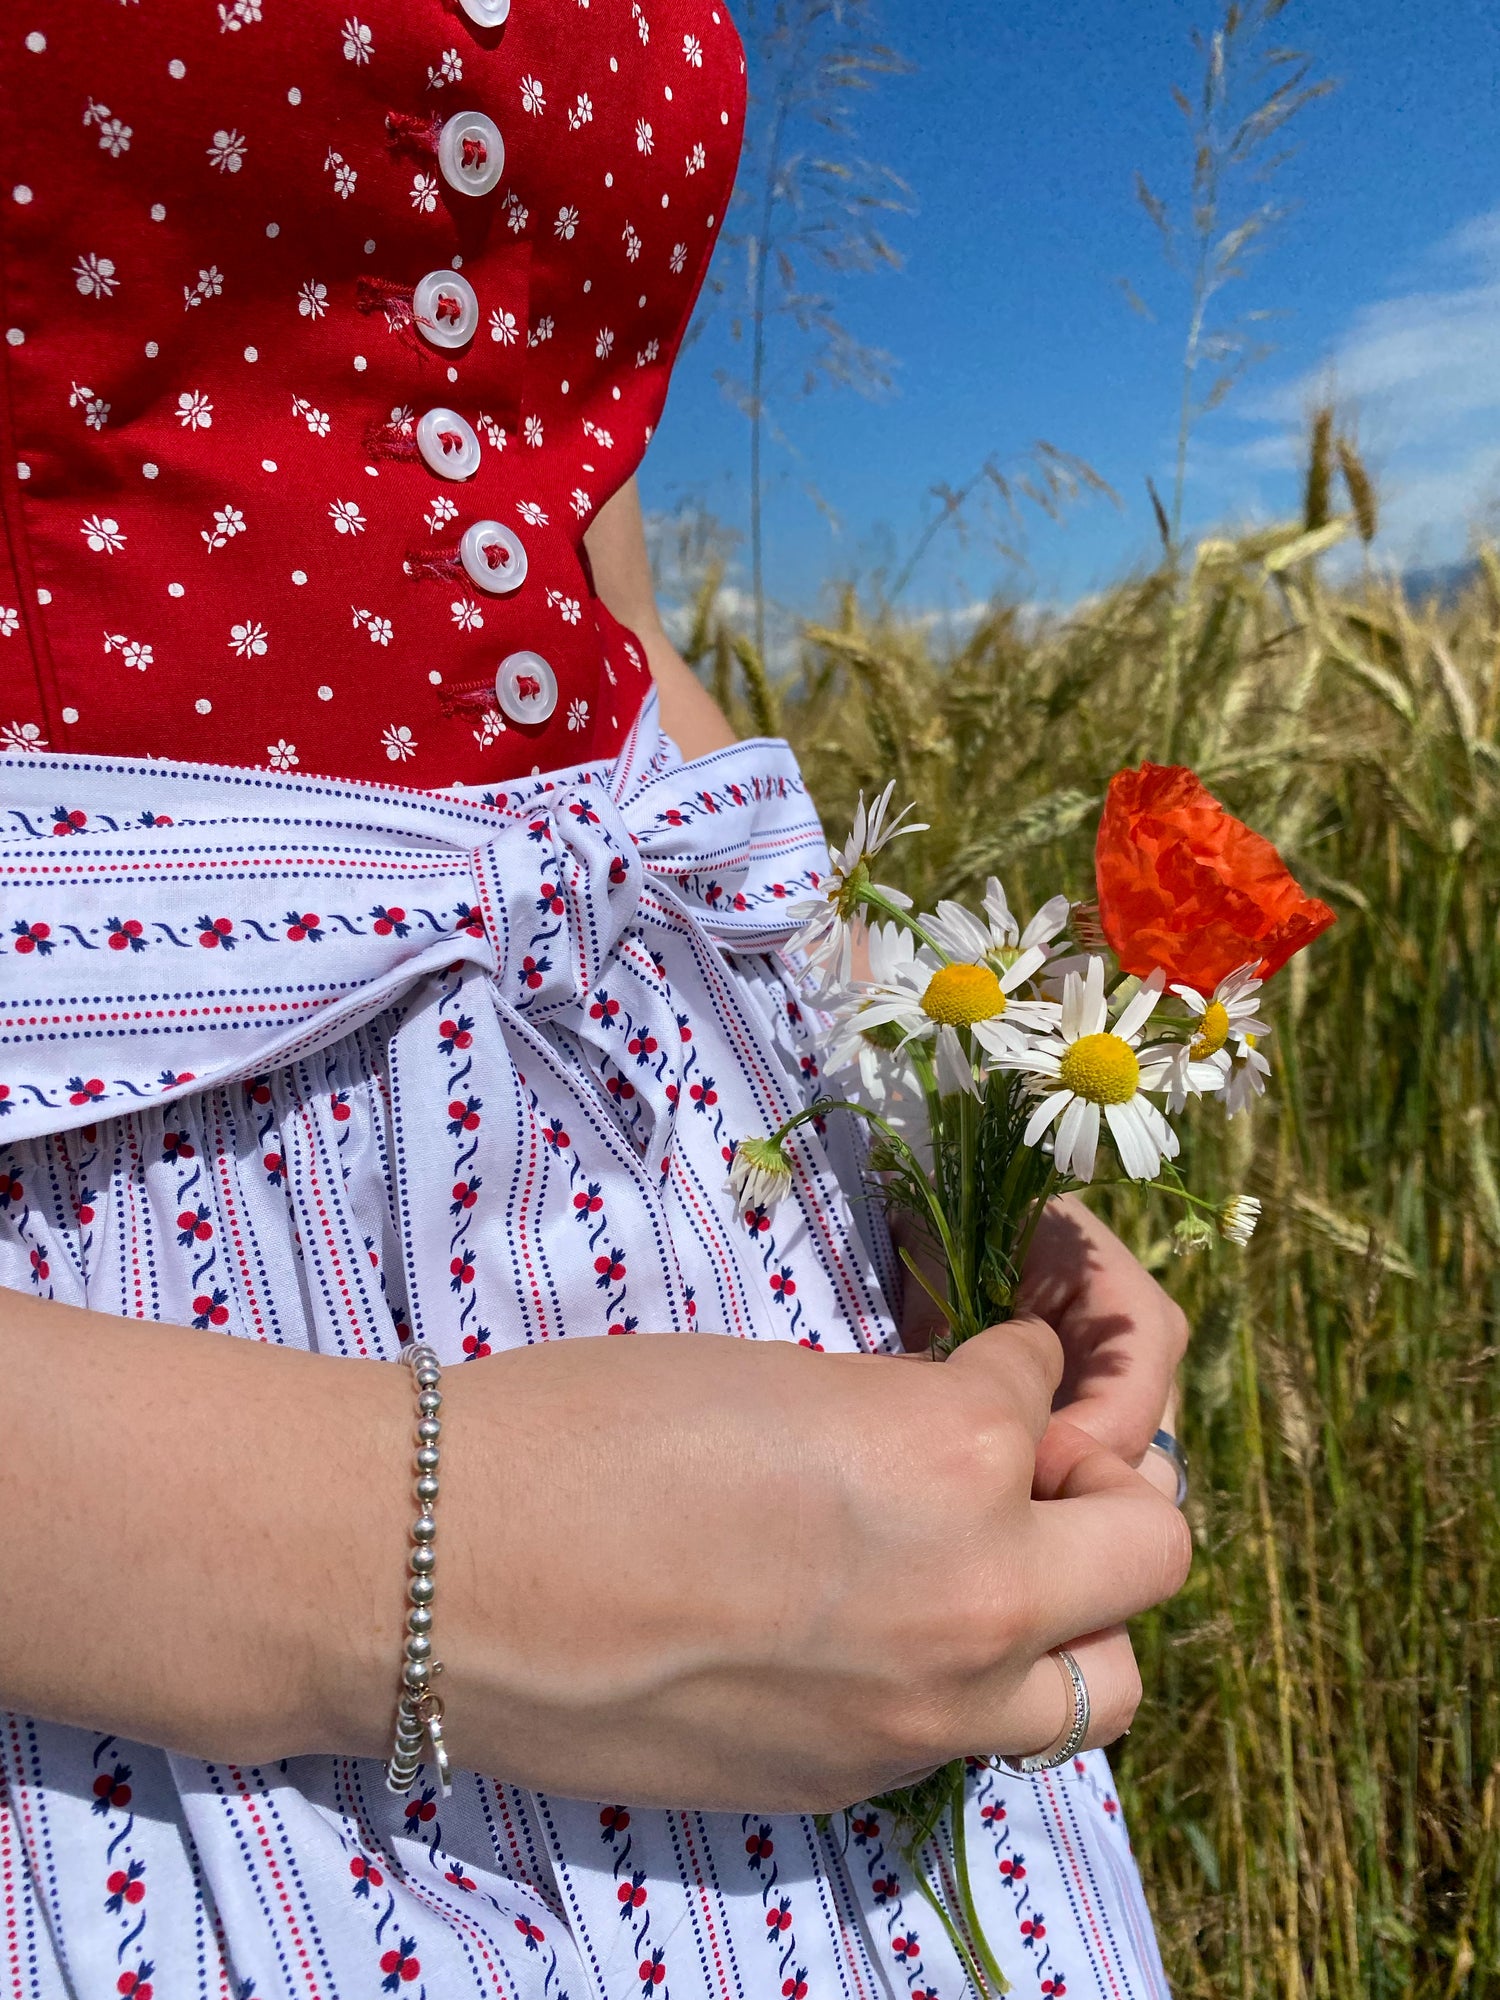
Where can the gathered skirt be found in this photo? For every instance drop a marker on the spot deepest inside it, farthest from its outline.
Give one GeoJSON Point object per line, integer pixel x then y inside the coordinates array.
{"type": "Point", "coordinates": [373, 1064]}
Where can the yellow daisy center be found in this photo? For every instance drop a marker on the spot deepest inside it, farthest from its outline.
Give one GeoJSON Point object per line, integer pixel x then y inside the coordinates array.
{"type": "Point", "coordinates": [1213, 1031]}
{"type": "Point", "coordinates": [1101, 1068]}
{"type": "Point", "coordinates": [960, 995]}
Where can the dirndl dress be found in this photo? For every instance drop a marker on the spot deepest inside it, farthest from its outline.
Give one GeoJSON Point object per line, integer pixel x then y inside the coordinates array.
{"type": "Point", "coordinates": [336, 1064]}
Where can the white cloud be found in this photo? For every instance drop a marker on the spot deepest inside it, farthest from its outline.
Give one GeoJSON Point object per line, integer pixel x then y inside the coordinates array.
{"type": "Point", "coordinates": [1420, 372]}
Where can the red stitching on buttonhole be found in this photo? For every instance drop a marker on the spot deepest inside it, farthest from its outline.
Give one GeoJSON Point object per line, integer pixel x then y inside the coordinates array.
{"type": "Point", "coordinates": [372, 295]}
{"type": "Point", "coordinates": [467, 697]}
{"type": "Point", "coordinates": [412, 132]}
{"type": "Point", "coordinates": [396, 438]}
{"type": "Point", "coordinates": [440, 563]}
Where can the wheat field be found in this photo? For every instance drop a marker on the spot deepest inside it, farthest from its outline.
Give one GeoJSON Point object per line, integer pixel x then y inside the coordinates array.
{"type": "Point", "coordinates": [1313, 1783]}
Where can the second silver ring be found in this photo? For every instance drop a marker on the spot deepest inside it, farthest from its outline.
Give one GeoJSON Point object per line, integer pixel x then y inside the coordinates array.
{"type": "Point", "coordinates": [1077, 1728]}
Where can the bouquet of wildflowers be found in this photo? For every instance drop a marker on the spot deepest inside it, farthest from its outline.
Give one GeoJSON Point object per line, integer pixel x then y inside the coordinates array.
{"type": "Point", "coordinates": [1001, 1063]}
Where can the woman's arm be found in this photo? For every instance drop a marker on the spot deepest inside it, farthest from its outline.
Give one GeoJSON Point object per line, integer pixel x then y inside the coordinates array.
{"type": "Point", "coordinates": [616, 544]}
{"type": "Point", "coordinates": [205, 1548]}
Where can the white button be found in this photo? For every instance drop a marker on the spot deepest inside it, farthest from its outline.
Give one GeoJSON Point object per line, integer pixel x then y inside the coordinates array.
{"type": "Point", "coordinates": [448, 444]}
{"type": "Point", "coordinates": [471, 152]}
{"type": "Point", "coordinates": [486, 13]}
{"type": "Point", "coordinates": [446, 309]}
{"type": "Point", "coordinates": [527, 687]}
{"type": "Point", "coordinates": [493, 557]}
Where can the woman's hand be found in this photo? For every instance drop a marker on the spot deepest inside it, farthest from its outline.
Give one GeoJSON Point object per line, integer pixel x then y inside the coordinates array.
{"type": "Point", "coordinates": [737, 1575]}
{"type": "Point", "coordinates": [1122, 1336]}
{"type": "Point", "coordinates": [680, 1570]}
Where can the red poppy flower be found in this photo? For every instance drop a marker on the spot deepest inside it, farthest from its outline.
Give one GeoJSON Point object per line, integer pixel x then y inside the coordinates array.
{"type": "Point", "coordinates": [1186, 886]}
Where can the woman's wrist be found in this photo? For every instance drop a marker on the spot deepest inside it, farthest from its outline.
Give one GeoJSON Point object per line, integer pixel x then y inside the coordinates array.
{"type": "Point", "coordinates": [246, 1520]}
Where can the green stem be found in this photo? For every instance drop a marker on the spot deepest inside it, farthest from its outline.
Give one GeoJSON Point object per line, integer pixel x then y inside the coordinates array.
{"type": "Point", "coordinates": [964, 1955]}
{"type": "Point", "coordinates": [893, 1138]}
{"type": "Point", "coordinates": [874, 898]}
{"type": "Point", "coordinates": [966, 1897]}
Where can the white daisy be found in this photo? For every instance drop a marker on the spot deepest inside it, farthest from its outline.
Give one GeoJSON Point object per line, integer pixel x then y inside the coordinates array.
{"type": "Point", "coordinates": [1088, 1066]}
{"type": "Point", "coordinates": [827, 937]}
{"type": "Point", "coordinates": [1204, 1064]}
{"type": "Point", "coordinates": [914, 992]}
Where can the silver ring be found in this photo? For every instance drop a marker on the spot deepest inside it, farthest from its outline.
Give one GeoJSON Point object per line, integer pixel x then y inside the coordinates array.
{"type": "Point", "coordinates": [1176, 1457]}
{"type": "Point", "coordinates": [1073, 1735]}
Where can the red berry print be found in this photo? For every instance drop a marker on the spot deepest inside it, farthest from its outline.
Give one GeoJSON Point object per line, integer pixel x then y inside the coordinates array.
{"type": "Point", "coordinates": [399, 1966]}
{"type": "Point", "coordinates": [366, 1875]}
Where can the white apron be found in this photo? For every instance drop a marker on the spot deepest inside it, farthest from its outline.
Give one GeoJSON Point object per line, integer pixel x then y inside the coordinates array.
{"type": "Point", "coordinates": [333, 1064]}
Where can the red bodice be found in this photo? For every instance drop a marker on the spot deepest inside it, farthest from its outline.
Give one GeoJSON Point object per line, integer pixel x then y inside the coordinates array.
{"type": "Point", "coordinates": [328, 330]}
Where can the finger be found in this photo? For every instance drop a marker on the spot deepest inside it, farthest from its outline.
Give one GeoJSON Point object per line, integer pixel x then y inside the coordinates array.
{"type": "Point", "coordinates": [1061, 1447]}
{"type": "Point", "coordinates": [1107, 1549]}
{"type": "Point", "coordinates": [1158, 1471]}
{"type": "Point", "coordinates": [1021, 1362]}
{"type": "Point", "coordinates": [1035, 1717]}
{"type": "Point", "coordinates": [1122, 1334]}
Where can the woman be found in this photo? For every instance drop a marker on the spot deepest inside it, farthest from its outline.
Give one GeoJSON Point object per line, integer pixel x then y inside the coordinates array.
{"type": "Point", "coordinates": [375, 966]}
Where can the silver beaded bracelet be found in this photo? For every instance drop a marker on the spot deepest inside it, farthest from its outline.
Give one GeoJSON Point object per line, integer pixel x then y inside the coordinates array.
{"type": "Point", "coordinates": [419, 1709]}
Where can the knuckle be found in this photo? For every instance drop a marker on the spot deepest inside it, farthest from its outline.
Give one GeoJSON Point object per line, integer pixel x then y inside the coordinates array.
{"type": "Point", "coordinates": [917, 1731]}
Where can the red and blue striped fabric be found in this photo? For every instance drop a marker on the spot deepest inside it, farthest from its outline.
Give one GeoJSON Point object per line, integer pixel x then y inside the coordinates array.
{"type": "Point", "coordinates": [335, 1064]}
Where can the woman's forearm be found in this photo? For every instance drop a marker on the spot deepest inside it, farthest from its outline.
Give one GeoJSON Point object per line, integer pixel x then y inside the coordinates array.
{"type": "Point", "coordinates": [206, 1536]}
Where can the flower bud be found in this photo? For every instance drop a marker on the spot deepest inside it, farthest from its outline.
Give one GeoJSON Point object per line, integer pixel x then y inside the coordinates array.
{"type": "Point", "coordinates": [1191, 1234]}
{"type": "Point", "coordinates": [760, 1173]}
{"type": "Point", "coordinates": [1238, 1217]}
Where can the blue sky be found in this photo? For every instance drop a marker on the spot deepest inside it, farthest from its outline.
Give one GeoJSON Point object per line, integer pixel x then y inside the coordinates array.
{"type": "Point", "coordinates": [1020, 131]}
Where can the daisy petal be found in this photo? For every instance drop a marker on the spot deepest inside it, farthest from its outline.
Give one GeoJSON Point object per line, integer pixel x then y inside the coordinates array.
{"type": "Point", "coordinates": [1050, 1109]}
{"type": "Point", "coordinates": [1138, 1156]}
{"type": "Point", "coordinates": [1093, 1017]}
{"type": "Point", "coordinates": [1139, 1009]}
{"type": "Point", "coordinates": [997, 909]}
{"type": "Point", "coordinates": [1085, 1147]}
{"type": "Point", "coordinates": [1045, 925]}
{"type": "Point", "coordinates": [959, 931]}
{"type": "Point", "coordinates": [1026, 966]}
